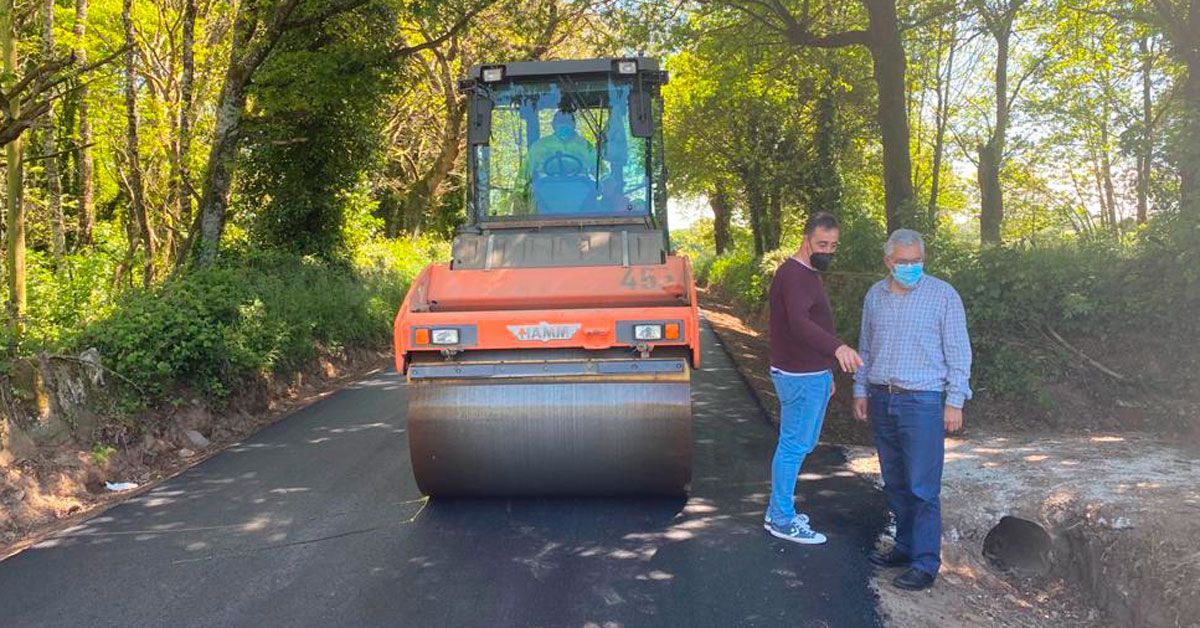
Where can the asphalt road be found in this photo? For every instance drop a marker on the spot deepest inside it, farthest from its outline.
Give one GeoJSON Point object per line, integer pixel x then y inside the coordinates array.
{"type": "Point", "coordinates": [316, 521]}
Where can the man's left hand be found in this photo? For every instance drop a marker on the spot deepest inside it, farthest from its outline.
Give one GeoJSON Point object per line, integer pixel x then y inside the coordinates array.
{"type": "Point", "coordinates": [954, 418]}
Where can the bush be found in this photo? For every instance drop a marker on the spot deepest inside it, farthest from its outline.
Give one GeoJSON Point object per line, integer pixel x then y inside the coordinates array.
{"type": "Point", "coordinates": [254, 313]}
{"type": "Point", "coordinates": [1091, 289]}
{"type": "Point", "coordinates": [739, 276]}
{"type": "Point", "coordinates": [64, 297]}
{"type": "Point", "coordinates": [702, 266]}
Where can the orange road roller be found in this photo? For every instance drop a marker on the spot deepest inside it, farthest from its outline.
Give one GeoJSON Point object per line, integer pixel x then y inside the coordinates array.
{"type": "Point", "coordinates": [552, 355]}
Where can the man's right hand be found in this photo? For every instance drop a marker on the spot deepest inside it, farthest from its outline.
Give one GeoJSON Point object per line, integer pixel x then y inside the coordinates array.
{"type": "Point", "coordinates": [860, 408]}
{"type": "Point", "coordinates": [848, 358]}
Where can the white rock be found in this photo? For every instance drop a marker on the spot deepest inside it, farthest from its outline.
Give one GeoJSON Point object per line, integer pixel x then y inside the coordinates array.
{"type": "Point", "coordinates": [1121, 523]}
{"type": "Point", "coordinates": [196, 438]}
{"type": "Point", "coordinates": [186, 453]}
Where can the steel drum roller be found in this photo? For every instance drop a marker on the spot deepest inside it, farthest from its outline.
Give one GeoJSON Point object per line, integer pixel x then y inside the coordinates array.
{"type": "Point", "coordinates": [552, 437]}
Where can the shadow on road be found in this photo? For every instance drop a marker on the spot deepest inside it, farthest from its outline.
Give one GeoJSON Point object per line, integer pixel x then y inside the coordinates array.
{"type": "Point", "coordinates": [316, 521]}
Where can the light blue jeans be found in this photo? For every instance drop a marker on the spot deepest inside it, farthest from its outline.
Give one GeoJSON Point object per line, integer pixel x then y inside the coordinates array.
{"type": "Point", "coordinates": [802, 400]}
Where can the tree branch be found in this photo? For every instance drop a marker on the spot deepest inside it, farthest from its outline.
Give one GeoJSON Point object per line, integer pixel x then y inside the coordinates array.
{"type": "Point", "coordinates": [835, 40]}
{"type": "Point", "coordinates": [39, 73]}
{"type": "Point", "coordinates": [1016, 90]}
{"type": "Point", "coordinates": [58, 153]}
{"type": "Point", "coordinates": [79, 72]}
{"type": "Point", "coordinates": [337, 9]}
{"type": "Point", "coordinates": [799, 32]}
{"type": "Point", "coordinates": [1095, 364]}
{"type": "Point", "coordinates": [936, 13]}
{"type": "Point", "coordinates": [455, 29]}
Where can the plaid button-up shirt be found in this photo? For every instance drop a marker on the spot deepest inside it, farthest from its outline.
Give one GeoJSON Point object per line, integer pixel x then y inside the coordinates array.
{"type": "Point", "coordinates": [916, 341]}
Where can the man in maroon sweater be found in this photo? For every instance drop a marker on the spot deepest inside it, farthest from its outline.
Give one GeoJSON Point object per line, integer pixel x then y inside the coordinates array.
{"type": "Point", "coordinates": [804, 350]}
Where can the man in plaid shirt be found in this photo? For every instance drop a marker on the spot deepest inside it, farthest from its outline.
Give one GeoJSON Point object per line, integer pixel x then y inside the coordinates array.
{"type": "Point", "coordinates": [912, 386]}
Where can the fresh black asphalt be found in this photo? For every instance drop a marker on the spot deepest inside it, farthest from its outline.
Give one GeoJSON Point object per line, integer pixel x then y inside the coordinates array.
{"type": "Point", "coordinates": [316, 521]}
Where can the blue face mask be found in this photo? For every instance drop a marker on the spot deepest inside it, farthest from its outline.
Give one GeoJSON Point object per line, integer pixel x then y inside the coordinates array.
{"type": "Point", "coordinates": [908, 274]}
{"type": "Point", "coordinates": [564, 132]}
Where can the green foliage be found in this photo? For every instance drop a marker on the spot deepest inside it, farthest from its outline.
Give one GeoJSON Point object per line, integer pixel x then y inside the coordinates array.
{"type": "Point", "coordinates": [254, 313]}
{"type": "Point", "coordinates": [101, 453]}
{"type": "Point", "coordinates": [1095, 288]}
{"type": "Point", "coordinates": [702, 267]}
{"type": "Point", "coordinates": [694, 241]}
{"type": "Point", "coordinates": [63, 298]}
{"type": "Point", "coordinates": [737, 275]}
{"type": "Point", "coordinates": [316, 132]}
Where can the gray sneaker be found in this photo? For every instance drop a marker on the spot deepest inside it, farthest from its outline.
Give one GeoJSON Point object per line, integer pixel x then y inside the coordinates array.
{"type": "Point", "coordinates": [800, 518]}
{"type": "Point", "coordinates": [797, 533]}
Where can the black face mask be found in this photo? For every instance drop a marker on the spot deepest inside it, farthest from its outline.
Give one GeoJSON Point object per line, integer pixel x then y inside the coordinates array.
{"type": "Point", "coordinates": [821, 261]}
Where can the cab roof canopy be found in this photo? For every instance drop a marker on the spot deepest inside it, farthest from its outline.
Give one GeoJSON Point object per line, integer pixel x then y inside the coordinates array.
{"type": "Point", "coordinates": [532, 69]}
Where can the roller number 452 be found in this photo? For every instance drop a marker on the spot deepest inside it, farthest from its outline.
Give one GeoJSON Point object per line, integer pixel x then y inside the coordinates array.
{"type": "Point", "coordinates": [645, 279]}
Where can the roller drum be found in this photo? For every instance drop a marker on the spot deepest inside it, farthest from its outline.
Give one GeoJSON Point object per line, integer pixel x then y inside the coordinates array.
{"type": "Point", "coordinates": [531, 438]}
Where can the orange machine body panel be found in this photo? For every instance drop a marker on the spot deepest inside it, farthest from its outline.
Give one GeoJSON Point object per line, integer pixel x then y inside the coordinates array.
{"type": "Point", "coordinates": [499, 305]}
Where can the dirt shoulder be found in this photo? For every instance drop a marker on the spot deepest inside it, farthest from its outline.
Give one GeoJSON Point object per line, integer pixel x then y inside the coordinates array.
{"type": "Point", "coordinates": [1113, 517]}
{"type": "Point", "coordinates": [54, 485]}
{"type": "Point", "coordinates": [1114, 544]}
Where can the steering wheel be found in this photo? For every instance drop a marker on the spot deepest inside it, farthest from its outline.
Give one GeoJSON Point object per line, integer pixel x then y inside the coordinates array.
{"type": "Point", "coordinates": [561, 164]}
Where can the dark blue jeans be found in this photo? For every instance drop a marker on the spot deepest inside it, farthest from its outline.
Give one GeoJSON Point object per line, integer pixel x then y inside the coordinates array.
{"type": "Point", "coordinates": [909, 431]}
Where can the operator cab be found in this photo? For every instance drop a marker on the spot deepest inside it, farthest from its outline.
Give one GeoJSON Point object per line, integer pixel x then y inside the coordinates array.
{"type": "Point", "coordinates": [565, 164]}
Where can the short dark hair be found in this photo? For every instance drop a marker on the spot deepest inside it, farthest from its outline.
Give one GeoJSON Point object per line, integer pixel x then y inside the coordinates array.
{"type": "Point", "coordinates": [824, 220]}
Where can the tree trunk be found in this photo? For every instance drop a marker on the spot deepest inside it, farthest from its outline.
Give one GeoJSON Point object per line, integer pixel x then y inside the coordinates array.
{"type": "Point", "coordinates": [1146, 145]}
{"type": "Point", "coordinates": [991, 205]}
{"type": "Point", "coordinates": [1098, 180]}
{"type": "Point", "coordinates": [14, 179]}
{"type": "Point", "coordinates": [1189, 183]}
{"type": "Point", "coordinates": [774, 219]}
{"type": "Point", "coordinates": [755, 205]}
{"type": "Point", "coordinates": [186, 86]}
{"type": "Point", "coordinates": [939, 140]}
{"type": "Point", "coordinates": [87, 200]}
{"type": "Point", "coordinates": [248, 50]}
{"type": "Point", "coordinates": [718, 200]}
{"type": "Point", "coordinates": [58, 227]}
{"type": "Point", "coordinates": [1181, 25]}
{"type": "Point", "coordinates": [756, 201]}
{"type": "Point", "coordinates": [215, 197]}
{"type": "Point", "coordinates": [827, 195]}
{"type": "Point", "coordinates": [890, 66]}
{"type": "Point", "coordinates": [137, 193]}
{"type": "Point", "coordinates": [426, 192]}
{"type": "Point", "coordinates": [1110, 195]}
{"type": "Point", "coordinates": [882, 38]}
{"type": "Point", "coordinates": [991, 155]}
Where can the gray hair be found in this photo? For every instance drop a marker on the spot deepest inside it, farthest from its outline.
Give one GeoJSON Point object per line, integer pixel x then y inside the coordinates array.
{"type": "Point", "coordinates": [904, 237]}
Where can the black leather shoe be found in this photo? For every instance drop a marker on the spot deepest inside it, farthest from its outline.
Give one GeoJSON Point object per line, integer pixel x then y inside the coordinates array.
{"type": "Point", "coordinates": [914, 580]}
{"type": "Point", "coordinates": [888, 560]}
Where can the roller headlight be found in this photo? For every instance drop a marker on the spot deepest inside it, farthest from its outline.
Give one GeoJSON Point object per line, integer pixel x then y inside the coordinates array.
{"type": "Point", "coordinates": [444, 336]}
{"type": "Point", "coordinates": [493, 75]}
{"type": "Point", "coordinates": [647, 332]}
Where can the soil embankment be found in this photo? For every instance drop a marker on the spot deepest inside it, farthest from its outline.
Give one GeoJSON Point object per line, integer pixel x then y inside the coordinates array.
{"type": "Point", "coordinates": [66, 443]}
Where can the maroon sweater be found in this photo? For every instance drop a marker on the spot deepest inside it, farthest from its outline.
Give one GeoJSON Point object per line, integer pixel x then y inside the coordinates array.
{"type": "Point", "coordinates": [802, 334]}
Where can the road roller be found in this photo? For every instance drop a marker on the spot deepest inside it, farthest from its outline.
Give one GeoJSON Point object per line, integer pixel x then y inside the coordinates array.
{"type": "Point", "coordinates": [552, 354]}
